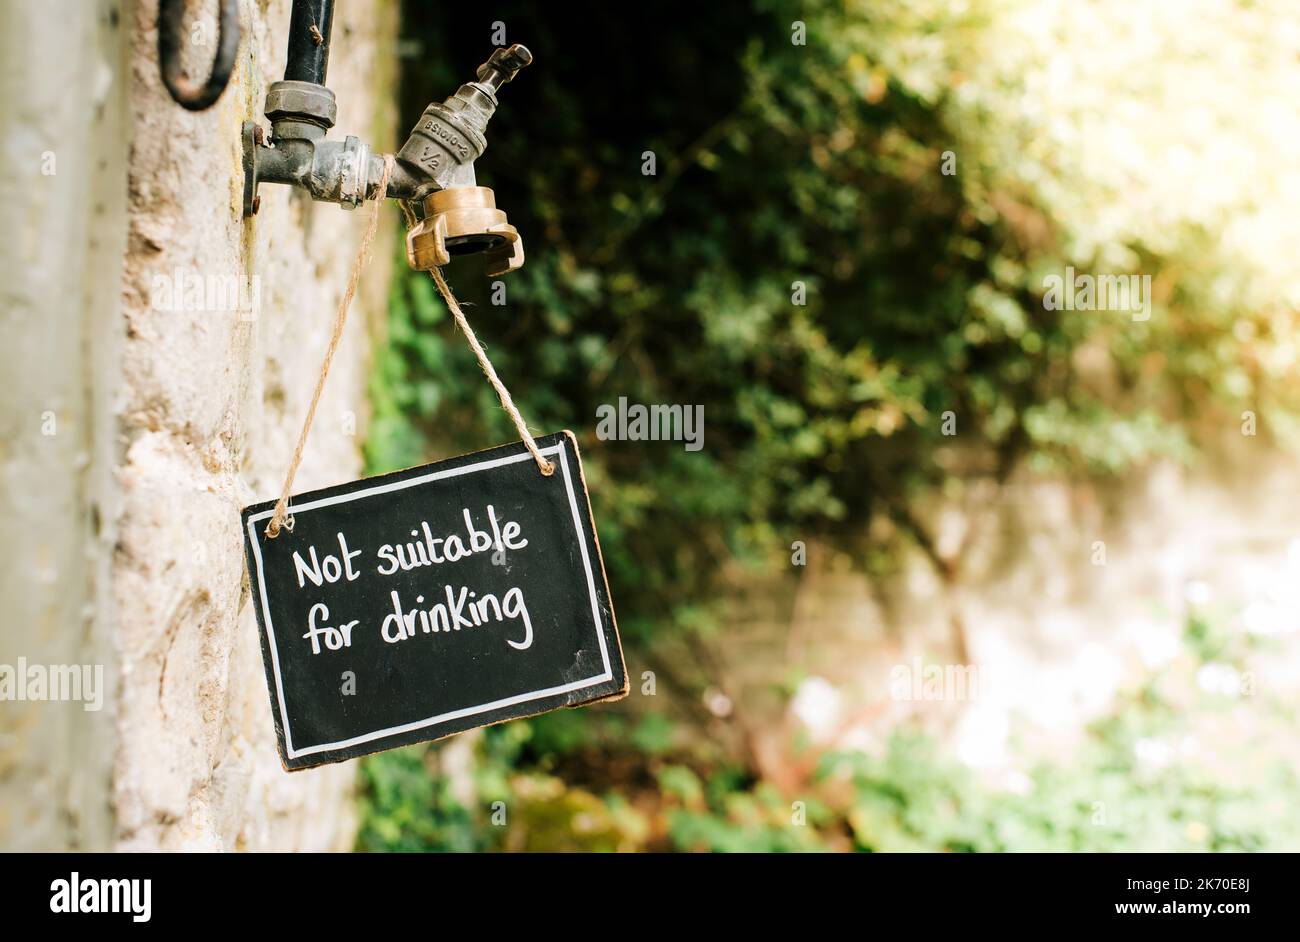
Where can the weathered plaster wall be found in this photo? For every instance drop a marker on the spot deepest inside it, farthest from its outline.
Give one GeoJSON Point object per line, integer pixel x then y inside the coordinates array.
{"type": "Point", "coordinates": [202, 391]}
{"type": "Point", "coordinates": [62, 108]}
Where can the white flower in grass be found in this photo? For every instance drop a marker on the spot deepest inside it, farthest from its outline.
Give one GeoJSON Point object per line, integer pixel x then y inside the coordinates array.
{"type": "Point", "coordinates": [1222, 679]}
{"type": "Point", "coordinates": [817, 705]}
{"type": "Point", "coordinates": [1154, 753]}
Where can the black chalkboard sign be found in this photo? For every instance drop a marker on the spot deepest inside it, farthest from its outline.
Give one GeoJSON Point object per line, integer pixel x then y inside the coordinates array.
{"type": "Point", "coordinates": [414, 605]}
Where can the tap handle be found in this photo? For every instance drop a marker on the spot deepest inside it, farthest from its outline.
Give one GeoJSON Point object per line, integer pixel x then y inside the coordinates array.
{"type": "Point", "coordinates": [502, 65]}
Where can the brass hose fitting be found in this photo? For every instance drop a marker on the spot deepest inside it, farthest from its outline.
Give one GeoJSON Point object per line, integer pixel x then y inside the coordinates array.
{"type": "Point", "coordinates": [461, 221]}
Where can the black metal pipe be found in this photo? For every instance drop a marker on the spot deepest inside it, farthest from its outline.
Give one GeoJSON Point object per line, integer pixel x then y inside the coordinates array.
{"type": "Point", "coordinates": [309, 41]}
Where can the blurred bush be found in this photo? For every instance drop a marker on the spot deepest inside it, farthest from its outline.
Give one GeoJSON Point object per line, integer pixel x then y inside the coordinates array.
{"type": "Point", "coordinates": [1182, 763]}
{"type": "Point", "coordinates": [1115, 140]}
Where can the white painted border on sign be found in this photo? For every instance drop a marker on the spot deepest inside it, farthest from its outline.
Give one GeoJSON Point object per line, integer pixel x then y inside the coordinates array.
{"type": "Point", "coordinates": [558, 450]}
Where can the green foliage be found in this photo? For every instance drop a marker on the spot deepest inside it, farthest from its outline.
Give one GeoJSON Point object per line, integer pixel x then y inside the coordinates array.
{"type": "Point", "coordinates": [725, 817]}
{"type": "Point", "coordinates": [406, 807]}
{"type": "Point", "coordinates": [816, 169]}
{"type": "Point", "coordinates": [1115, 791]}
{"type": "Point", "coordinates": [814, 165]}
{"type": "Point", "coordinates": [1102, 801]}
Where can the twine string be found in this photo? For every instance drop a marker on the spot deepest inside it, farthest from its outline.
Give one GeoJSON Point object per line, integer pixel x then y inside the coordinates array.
{"type": "Point", "coordinates": [484, 363]}
{"type": "Point", "coordinates": [503, 394]}
{"type": "Point", "coordinates": [280, 518]}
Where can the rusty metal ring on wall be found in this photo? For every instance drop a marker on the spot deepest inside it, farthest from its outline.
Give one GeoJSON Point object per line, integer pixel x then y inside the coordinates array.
{"type": "Point", "coordinates": [192, 95]}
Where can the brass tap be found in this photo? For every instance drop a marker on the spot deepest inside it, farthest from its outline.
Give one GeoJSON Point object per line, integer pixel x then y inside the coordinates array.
{"type": "Point", "coordinates": [434, 169]}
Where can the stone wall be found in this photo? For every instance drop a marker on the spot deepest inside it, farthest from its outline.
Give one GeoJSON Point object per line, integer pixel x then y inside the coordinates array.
{"type": "Point", "coordinates": [1072, 593]}
{"type": "Point", "coordinates": [176, 345]}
